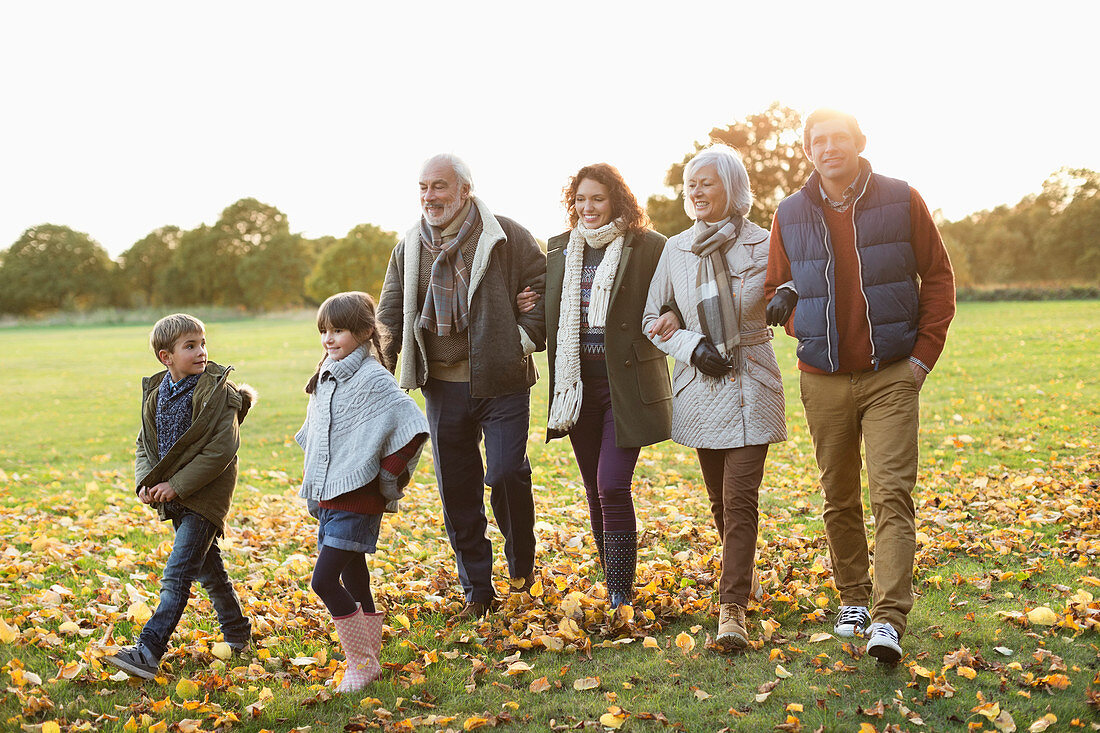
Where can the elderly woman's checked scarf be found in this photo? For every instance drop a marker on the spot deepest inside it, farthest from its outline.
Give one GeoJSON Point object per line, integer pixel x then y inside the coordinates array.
{"type": "Point", "coordinates": [717, 314]}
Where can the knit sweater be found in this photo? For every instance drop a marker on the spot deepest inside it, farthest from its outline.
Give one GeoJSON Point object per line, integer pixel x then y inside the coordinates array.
{"type": "Point", "coordinates": [356, 415]}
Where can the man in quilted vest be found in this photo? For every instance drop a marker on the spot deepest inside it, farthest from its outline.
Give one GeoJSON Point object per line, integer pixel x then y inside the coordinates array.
{"type": "Point", "coordinates": [860, 256]}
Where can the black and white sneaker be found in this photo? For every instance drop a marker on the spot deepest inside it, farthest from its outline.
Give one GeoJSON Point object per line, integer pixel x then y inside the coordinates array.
{"type": "Point", "coordinates": [135, 660]}
{"type": "Point", "coordinates": [851, 620]}
{"type": "Point", "coordinates": [883, 643]}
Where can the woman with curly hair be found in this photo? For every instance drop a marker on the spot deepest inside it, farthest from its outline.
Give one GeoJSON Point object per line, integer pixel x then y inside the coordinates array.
{"type": "Point", "coordinates": [609, 385]}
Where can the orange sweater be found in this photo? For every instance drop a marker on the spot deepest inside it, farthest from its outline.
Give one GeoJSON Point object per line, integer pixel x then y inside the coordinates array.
{"type": "Point", "coordinates": [936, 305]}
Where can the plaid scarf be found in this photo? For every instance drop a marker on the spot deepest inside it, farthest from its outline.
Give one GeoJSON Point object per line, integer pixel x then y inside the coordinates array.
{"type": "Point", "coordinates": [173, 410]}
{"type": "Point", "coordinates": [446, 307]}
{"type": "Point", "coordinates": [713, 290]}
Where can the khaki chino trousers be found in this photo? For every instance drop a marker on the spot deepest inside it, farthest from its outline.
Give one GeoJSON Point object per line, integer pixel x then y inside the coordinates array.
{"type": "Point", "coordinates": [881, 409]}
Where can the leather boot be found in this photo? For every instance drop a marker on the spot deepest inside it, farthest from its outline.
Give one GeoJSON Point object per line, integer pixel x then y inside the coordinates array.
{"type": "Point", "coordinates": [731, 627]}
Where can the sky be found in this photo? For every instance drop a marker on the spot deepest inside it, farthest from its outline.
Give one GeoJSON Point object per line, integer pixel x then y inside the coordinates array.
{"type": "Point", "coordinates": [120, 117]}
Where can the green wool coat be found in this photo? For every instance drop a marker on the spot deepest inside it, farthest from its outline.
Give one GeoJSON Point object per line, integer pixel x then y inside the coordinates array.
{"type": "Point", "coordinates": [641, 393]}
{"type": "Point", "coordinates": [202, 465]}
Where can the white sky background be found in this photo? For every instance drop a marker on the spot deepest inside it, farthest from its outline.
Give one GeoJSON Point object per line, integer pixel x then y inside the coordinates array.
{"type": "Point", "coordinates": [117, 118]}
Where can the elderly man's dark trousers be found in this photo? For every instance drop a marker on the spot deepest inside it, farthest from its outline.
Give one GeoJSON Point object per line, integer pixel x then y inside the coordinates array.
{"type": "Point", "coordinates": [458, 422]}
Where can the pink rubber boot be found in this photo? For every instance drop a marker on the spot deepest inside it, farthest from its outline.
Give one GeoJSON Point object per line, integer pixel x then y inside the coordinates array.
{"type": "Point", "coordinates": [356, 636]}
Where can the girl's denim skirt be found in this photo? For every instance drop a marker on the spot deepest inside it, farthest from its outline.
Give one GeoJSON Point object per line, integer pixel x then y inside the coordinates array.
{"type": "Point", "coordinates": [345, 530]}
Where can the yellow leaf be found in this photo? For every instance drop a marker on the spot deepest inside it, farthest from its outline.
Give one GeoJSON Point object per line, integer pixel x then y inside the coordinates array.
{"type": "Point", "coordinates": [68, 628]}
{"type": "Point", "coordinates": [518, 668]}
{"type": "Point", "coordinates": [610, 720]}
{"type": "Point", "coordinates": [51, 726]}
{"type": "Point", "coordinates": [540, 685]}
{"type": "Point", "coordinates": [781, 672]}
{"type": "Point", "coordinates": [685, 642]}
{"type": "Point", "coordinates": [586, 683]}
{"type": "Point", "coordinates": [1004, 722]}
{"type": "Point", "coordinates": [131, 725]}
{"type": "Point", "coordinates": [70, 670]}
{"type": "Point", "coordinates": [1043, 723]}
{"type": "Point", "coordinates": [403, 620]}
{"type": "Point", "coordinates": [820, 636]}
{"type": "Point", "coordinates": [770, 626]}
{"type": "Point", "coordinates": [922, 671]}
{"type": "Point", "coordinates": [474, 722]}
{"type": "Point", "coordinates": [794, 707]}
{"type": "Point", "coordinates": [966, 672]}
{"type": "Point", "coordinates": [650, 643]}
{"type": "Point", "coordinates": [552, 643]}
{"type": "Point", "coordinates": [867, 728]}
{"type": "Point", "coordinates": [139, 612]}
{"type": "Point", "coordinates": [186, 689]}
{"type": "Point", "coordinates": [221, 650]}
{"type": "Point", "coordinates": [158, 727]}
{"type": "Point", "coordinates": [701, 695]}
{"type": "Point", "coordinates": [1042, 616]}
{"type": "Point", "coordinates": [8, 634]}
{"type": "Point", "coordinates": [188, 725]}
{"type": "Point", "coordinates": [990, 710]}
{"type": "Point", "coordinates": [536, 589]}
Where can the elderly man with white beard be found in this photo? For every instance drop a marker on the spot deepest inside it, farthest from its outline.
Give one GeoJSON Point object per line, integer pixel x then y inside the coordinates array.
{"type": "Point", "coordinates": [449, 302]}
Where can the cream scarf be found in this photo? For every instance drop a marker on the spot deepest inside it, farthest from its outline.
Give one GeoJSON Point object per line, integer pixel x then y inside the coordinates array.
{"type": "Point", "coordinates": [565, 407]}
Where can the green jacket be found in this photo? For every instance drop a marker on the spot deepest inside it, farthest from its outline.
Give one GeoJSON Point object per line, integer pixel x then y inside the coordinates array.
{"type": "Point", "coordinates": [202, 465]}
{"type": "Point", "coordinates": [637, 371]}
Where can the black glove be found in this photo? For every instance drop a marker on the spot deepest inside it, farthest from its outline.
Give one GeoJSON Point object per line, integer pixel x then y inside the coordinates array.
{"type": "Point", "coordinates": [707, 360]}
{"type": "Point", "coordinates": [781, 306]}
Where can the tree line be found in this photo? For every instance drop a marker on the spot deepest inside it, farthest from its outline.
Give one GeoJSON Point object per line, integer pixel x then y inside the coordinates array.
{"type": "Point", "coordinates": [250, 258]}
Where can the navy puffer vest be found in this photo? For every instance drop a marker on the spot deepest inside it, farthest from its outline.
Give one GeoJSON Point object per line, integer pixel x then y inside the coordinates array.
{"type": "Point", "coordinates": [888, 270]}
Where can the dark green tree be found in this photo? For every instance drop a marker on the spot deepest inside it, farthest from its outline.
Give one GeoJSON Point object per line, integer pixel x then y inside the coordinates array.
{"type": "Point", "coordinates": [1044, 237]}
{"type": "Point", "coordinates": [273, 274]}
{"type": "Point", "coordinates": [355, 262]}
{"type": "Point", "coordinates": [770, 144]}
{"type": "Point", "coordinates": [206, 263]}
{"type": "Point", "coordinates": [144, 265]}
{"type": "Point", "coordinates": [52, 267]}
{"type": "Point", "coordinates": [202, 271]}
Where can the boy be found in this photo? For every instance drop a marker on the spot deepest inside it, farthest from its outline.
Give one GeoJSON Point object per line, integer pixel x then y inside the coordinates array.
{"type": "Point", "coordinates": [186, 465]}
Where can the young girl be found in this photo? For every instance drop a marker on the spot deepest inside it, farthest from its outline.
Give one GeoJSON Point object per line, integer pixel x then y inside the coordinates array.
{"type": "Point", "coordinates": [362, 439]}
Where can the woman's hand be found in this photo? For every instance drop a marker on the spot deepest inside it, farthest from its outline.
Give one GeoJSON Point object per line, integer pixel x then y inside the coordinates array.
{"type": "Point", "coordinates": [527, 299]}
{"type": "Point", "coordinates": [706, 359]}
{"type": "Point", "coordinates": [666, 325]}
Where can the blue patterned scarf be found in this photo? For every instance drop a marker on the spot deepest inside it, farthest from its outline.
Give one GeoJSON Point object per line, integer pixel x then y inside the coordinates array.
{"type": "Point", "coordinates": [173, 410]}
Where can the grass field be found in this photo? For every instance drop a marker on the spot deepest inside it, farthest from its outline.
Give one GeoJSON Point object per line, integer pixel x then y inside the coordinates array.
{"type": "Point", "coordinates": [1004, 634]}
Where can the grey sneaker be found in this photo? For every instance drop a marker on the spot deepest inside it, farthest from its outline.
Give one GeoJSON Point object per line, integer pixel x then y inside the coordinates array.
{"type": "Point", "coordinates": [135, 660]}
{"type": "Point", "coordinates": [850, 620]}
{"type": "Point", "coordinates": [883, 643]}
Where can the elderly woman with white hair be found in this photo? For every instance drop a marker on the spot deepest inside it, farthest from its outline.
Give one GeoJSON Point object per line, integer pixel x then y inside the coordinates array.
{"type": "Point", "coordinates": [727, 389]}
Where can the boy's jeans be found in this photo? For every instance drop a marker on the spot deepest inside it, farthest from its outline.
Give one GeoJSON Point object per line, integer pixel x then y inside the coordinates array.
{"type": "Point", "coordinates": [195, 556]}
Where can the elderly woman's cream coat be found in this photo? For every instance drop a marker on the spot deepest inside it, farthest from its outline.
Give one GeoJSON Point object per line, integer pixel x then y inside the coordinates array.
{"type": "Point", "coordinates": [746, 406]}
